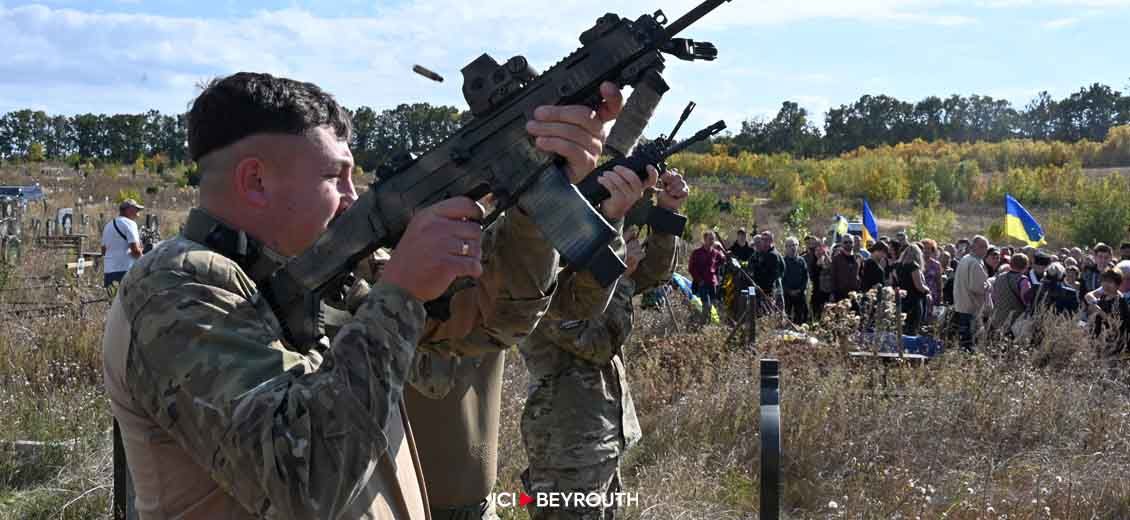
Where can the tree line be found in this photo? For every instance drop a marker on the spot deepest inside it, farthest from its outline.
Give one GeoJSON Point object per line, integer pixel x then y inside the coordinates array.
{"type": "Point", "coordinates": [874, 121]}
{"type": "Point", "coordinates": [871, 121]}
{"type": "Point", "coordinates": [123, 138]}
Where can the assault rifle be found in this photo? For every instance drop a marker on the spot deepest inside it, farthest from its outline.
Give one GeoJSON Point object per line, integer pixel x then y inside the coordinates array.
{"type": "Point", "coordinates": [494, 154]}
{"type": "Point", "coordinates": [645, 212]}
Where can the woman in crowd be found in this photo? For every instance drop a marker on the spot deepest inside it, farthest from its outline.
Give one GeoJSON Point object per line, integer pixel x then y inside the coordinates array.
{"type": "Point", "coordinates": [912, 280]}
{"type": "Point", "coordinates": [951, 256]}
{"type": "Point", "coordinates": [933, 272]}
{"type": "Point", "coordinates": [1071, 279]}
{"type": "Point", "coordinates": [992, 260]}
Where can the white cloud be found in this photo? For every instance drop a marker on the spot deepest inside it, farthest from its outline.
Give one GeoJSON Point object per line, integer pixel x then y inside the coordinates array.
{"type": "Point", "coordinates": [68, 60]}
{"type": "Point", "coordinates": [1061, 23]}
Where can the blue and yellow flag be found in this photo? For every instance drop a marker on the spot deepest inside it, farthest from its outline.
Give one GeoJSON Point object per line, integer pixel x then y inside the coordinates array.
{"type": "Point", "coordinates": [870, 228]}
{"type": "Point", "coordinates": [1019, 224]}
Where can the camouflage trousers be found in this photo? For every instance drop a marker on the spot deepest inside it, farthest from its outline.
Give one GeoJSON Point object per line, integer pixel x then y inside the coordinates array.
{"type": "Point", "coordinates": [600, 481]}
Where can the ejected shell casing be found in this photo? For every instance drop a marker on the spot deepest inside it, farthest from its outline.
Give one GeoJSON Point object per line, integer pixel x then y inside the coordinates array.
{"type": "Point", "coordinates": [427, 73]}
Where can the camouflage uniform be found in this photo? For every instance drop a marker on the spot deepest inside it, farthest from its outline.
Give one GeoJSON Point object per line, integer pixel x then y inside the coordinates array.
{"type": "Point", "coordinates": [579, 418]}
{"type": "Point", "coordinates": [210, 398]}
{"type": "Point", "coordinates": [455, 396]}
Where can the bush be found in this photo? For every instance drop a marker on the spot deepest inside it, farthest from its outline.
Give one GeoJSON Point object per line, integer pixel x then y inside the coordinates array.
{"type": "Point", "coordinates": [741, 208]}
{"type": "Point", "coordinates": [788, 188]}
{"type": "Point", "coordinates": [129, 193]}
{"type": "Point", "coordinates": [701, 209]}
{"type": "Point", "coordinates": [933, 222]}
{"type": "Point", "coordinates": [1102, 213]}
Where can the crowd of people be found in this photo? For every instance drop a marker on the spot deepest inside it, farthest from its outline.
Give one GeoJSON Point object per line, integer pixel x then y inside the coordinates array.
{"type": "Point", "coordinates": [968, 289]}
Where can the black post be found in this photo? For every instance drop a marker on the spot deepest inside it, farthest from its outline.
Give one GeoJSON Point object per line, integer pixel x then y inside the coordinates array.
{"type": "Point", "coordinates": [120, 472]}
{"type": "Point", "coordinates": [771, 485]}
{"type": "Point", "coordinates": [123, 506]}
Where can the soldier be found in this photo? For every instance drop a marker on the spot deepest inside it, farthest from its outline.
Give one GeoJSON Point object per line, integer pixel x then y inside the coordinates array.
{"type": "Point", "coordinates": [220, 418]}
{"type": "Point", "coordinates": [579, 419]}
{"type": "Point", "coordinates": [454, 401]}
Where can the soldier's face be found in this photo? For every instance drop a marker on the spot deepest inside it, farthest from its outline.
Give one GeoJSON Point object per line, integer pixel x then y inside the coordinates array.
{"type": "Point", "coordinates": [314, 185]}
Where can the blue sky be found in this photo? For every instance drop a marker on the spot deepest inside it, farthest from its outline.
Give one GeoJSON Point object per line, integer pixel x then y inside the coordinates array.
{"type": "Point", "coordinates": [112, 56]}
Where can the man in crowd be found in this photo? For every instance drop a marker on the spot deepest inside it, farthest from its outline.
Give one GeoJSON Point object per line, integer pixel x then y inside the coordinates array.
{"type": "Point", "coordinates": [769, 266]}
{"type": "Point", "coordinates": [703, 266]}
{"type": "Point", "coordinates": [1103, 259]}
{"type": "Point", "coordinates": [121, 243]}
{"type": "Point", "coordinates": [857, 247]}
{"type": "Point", "coordinates": [220, 416]}
{"type": "Point", "coordinates": [741, 249]}
{"type": "Point", "coordinates": [1110, 300]}
{"type": "Point", "coordinates": [795, 282]}
{"type": "Point", "coordinates": [579, 418]}
{"type": "Point", "coordinates": [969, 290]}
{"type": "Point", "coordinates": [961, 250]}
{"type": "Point", "coordinates": [845, 270]}
{"type": "Point", "coordinates": [1124, 251]}
{"type": "Point", "coordinates": [812, 257]}
{"type": "Point", "coordinates": [1040, 263]}
{"type": "Point", "coordinates": [1012, 293]}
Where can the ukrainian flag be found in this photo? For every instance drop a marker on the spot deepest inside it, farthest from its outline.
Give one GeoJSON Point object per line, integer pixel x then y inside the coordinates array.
{"type": "Point", "coordinates": [870, 228]}
{"type": "Point", "coordinates": [1019, 224]}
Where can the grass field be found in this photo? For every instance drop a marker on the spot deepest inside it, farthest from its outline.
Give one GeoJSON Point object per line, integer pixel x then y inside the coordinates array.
{"type": "Point", "coordinates": [1041, 434]}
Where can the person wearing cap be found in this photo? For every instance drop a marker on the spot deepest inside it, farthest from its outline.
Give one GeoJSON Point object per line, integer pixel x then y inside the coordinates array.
{"type": "Point", "coordinates": [1040, 262]}
{"type": "Point", "coordinates": [221, 413]}
{"type": "Point", "coordinates": [121, 243]}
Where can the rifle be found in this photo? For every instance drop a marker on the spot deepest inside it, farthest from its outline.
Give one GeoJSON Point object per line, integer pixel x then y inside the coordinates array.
{"type": "Point", "coordinates": [493, 154]}
{"type": "Point", "coordinates": [655, 153]}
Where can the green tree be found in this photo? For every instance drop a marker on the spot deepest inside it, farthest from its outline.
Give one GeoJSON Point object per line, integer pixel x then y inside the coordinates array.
{"type": "Point", "coordinates": [1102, 213]}
{"type": "Point", "coordinates": [36, 153]}
{"type": "Point", "coordinates": [701, 209]}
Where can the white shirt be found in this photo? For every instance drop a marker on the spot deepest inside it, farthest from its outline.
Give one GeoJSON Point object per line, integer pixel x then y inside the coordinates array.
{"type": "Point", "coordinates": [117, 248]}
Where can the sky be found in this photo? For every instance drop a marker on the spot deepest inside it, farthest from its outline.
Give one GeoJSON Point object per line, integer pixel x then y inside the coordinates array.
{"type": "Point", "coordinates": [130, 56]}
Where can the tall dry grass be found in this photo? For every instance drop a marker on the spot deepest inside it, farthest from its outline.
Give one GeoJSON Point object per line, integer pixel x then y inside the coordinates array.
{"type": "Point", "coordinates": [1036, 433]}
{"type": "Point", "coordinates": [1031, 434]}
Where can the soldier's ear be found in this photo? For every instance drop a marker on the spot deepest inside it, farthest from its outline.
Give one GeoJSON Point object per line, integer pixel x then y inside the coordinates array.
{"type": "Point", "coordinates": [248, 179]}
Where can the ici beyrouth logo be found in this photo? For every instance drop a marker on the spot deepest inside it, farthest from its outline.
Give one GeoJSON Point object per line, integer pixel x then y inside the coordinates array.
{"type": "Point", "coordinates": [554, 499]}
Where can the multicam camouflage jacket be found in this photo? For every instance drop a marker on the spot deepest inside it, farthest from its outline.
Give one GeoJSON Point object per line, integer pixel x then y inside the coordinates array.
{"type": "Point", "coordinates": [580, 411]}
{"type": "Point", "coordinates": [511, 297]}
{"type": "Point", "coordinates": [287, 434]}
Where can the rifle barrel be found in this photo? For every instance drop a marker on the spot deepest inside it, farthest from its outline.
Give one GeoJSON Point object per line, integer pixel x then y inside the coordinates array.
{"type": "Point", "coordinates": [693, 16]}
{"type": "Point", "coordinates": [698, 136]}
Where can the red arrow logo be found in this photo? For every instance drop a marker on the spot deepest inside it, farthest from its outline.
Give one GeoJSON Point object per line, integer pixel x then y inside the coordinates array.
{"type": "Point", "coordinates": [524, 499]}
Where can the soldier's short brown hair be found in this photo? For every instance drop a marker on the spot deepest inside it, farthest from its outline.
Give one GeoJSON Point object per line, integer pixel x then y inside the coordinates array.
{"type": "Point", "coordinates": [248, 103]}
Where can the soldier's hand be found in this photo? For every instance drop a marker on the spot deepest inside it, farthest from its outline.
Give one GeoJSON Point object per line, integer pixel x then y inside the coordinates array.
{"type": "Point", "coordinates": [625, 188]}
{"type": "Point", "coordinates": [634, 250]}
{"type": "Point", "coordinates": [576, 132]}
{"type": "Point", "coordinates": [442, 243]}
{"type": "Point", "coordinates": [675, 190]}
